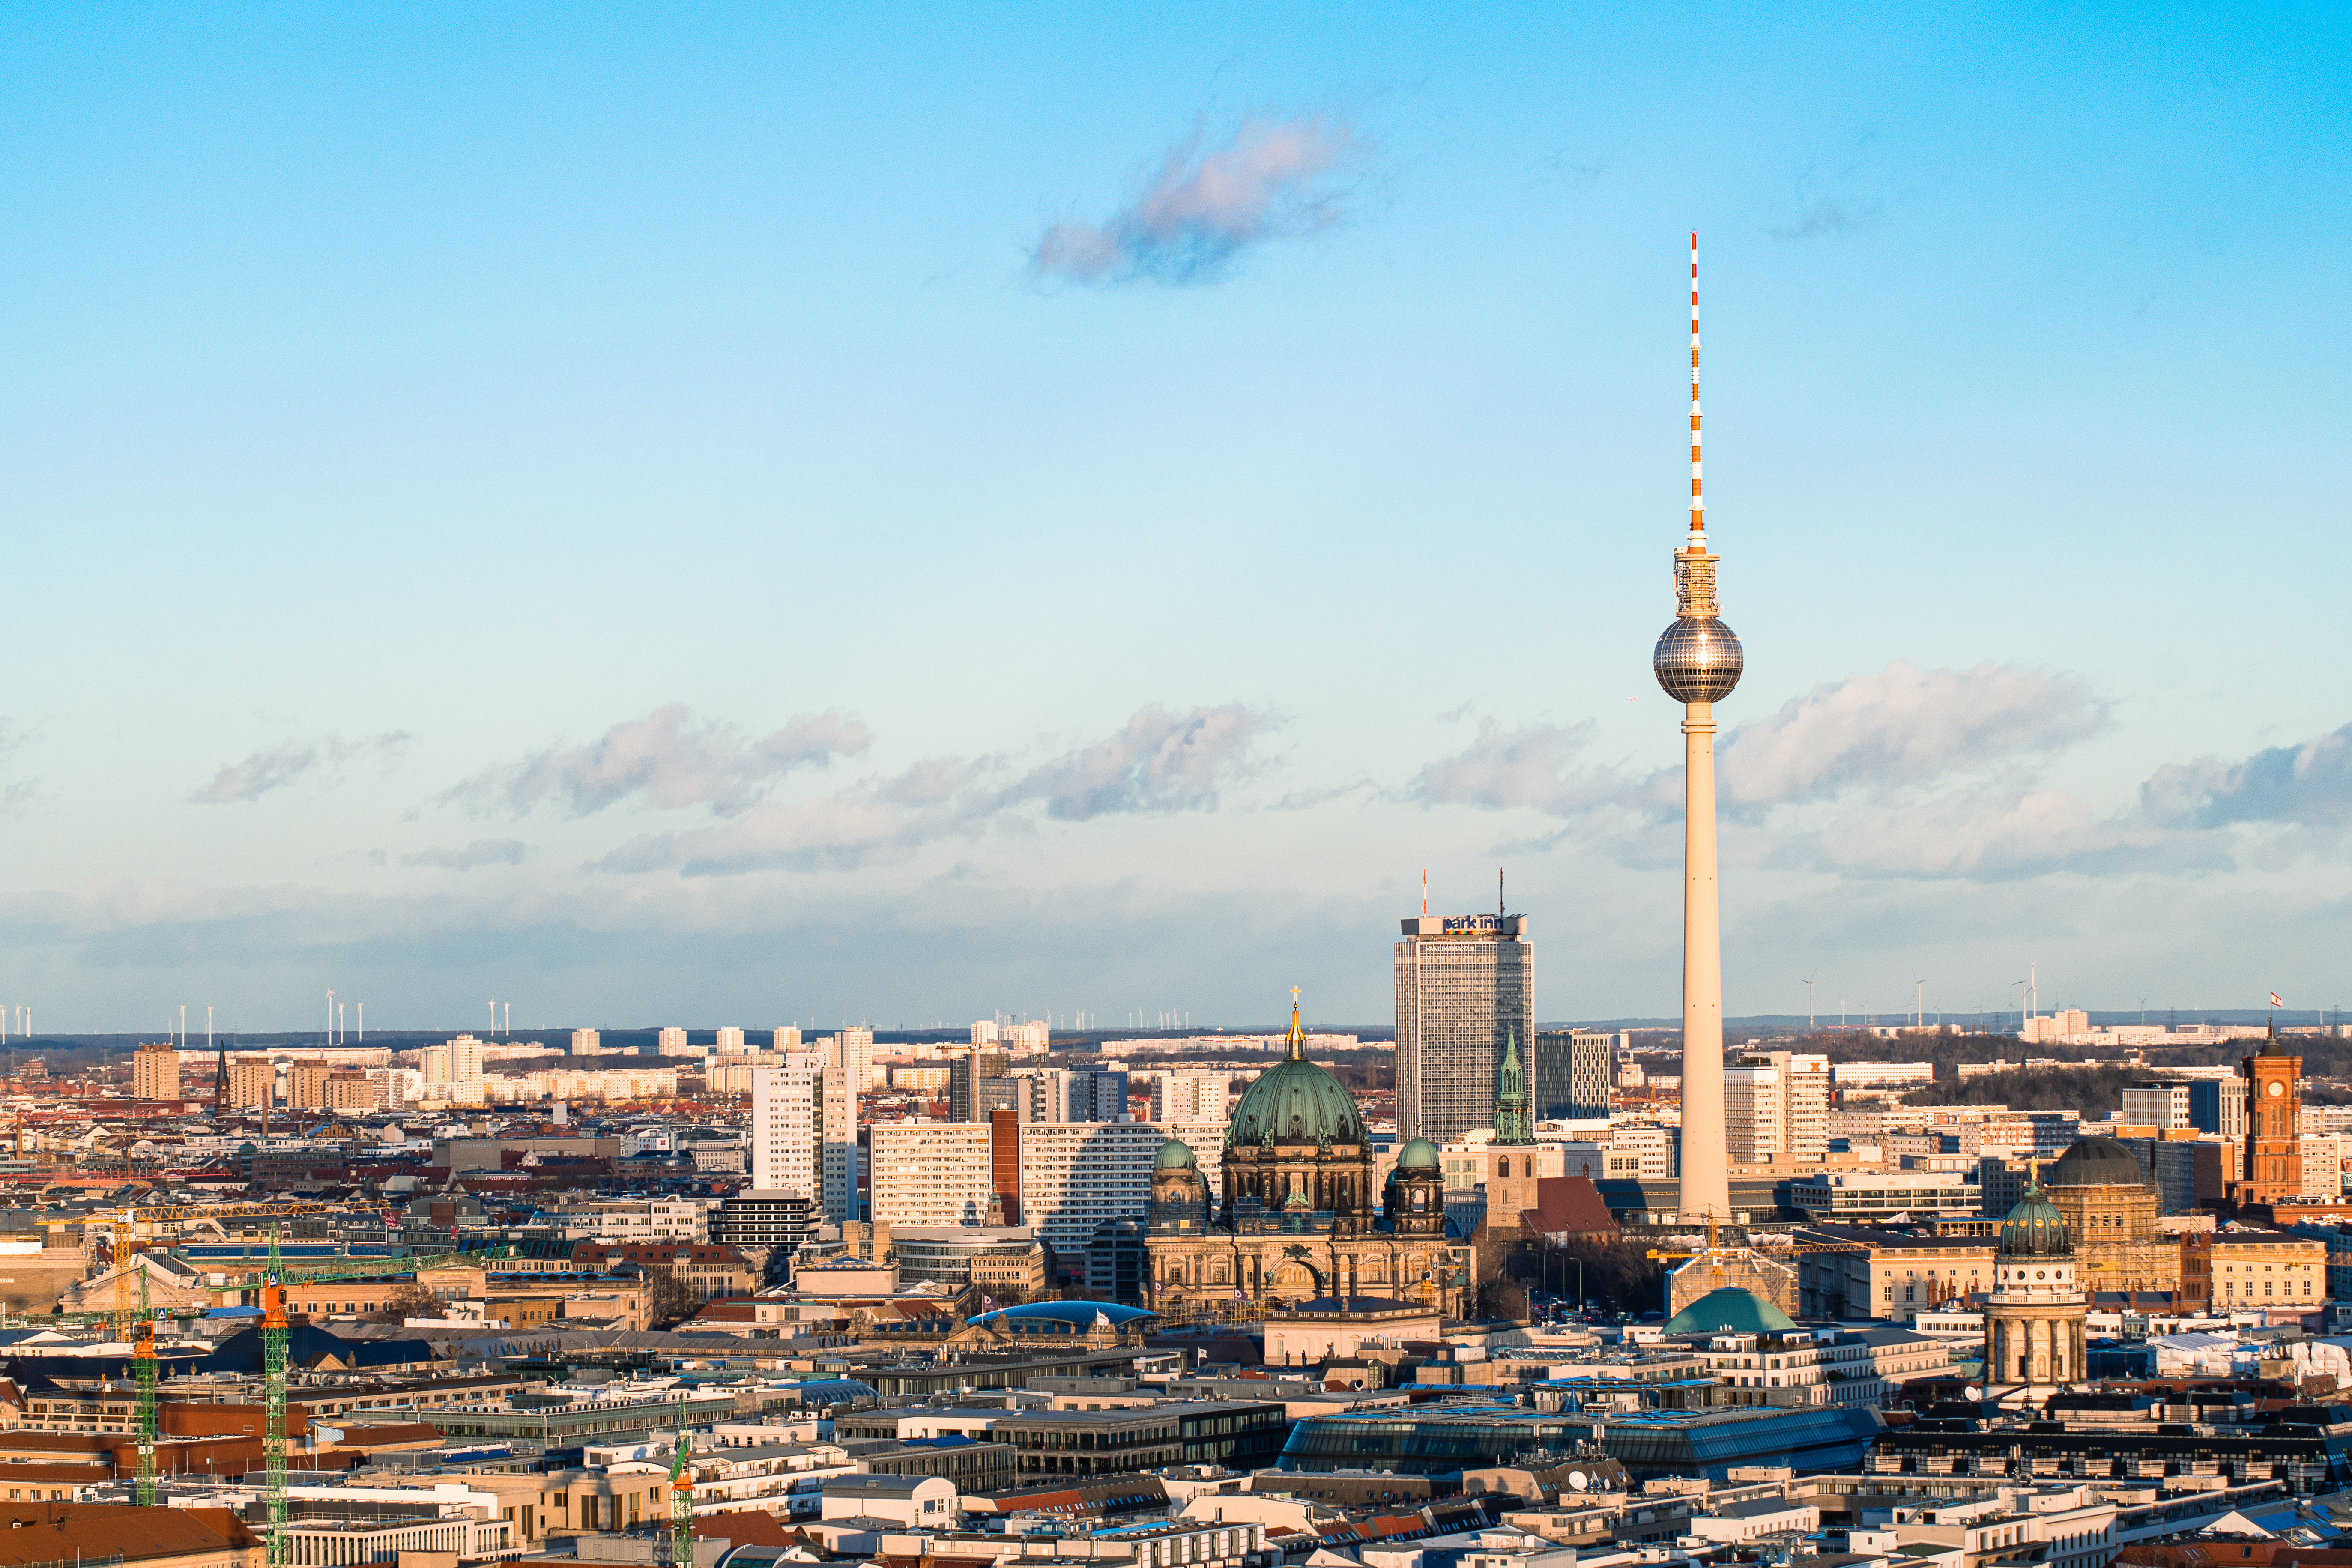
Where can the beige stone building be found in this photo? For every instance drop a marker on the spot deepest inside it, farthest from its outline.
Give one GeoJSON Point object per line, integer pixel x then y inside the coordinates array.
{"type": "Point", "coordinates": [2111, 1211]}
{"type": "Point", "coordinates": [2233, 1270]}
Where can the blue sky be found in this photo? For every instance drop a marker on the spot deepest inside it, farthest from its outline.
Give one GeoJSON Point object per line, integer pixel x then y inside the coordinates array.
{"type": "Point", "coordinates": [757, 514]}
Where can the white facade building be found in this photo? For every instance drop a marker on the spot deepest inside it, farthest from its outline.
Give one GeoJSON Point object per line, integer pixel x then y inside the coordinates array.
{"type": "Point", "coordinates": [1077, 1174]}
{"type": "Point", "coordinates": [785, 1125]}
{"type": "Point", "coordinates": [931, 1172]}
{"type": "Point", "coordinates": [672, 1042]}
{"type": "Point", "coordinates": [730, 1042]}
{"type": "Point", "coordinates": [787, 1038]}
{"type": "Point", "coordinates": [586, 1043]}
{"type": "Point", "coordinates": [1191, 1095]}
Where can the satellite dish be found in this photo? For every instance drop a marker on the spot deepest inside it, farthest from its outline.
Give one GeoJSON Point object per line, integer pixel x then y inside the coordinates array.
{"type": "Point", "coordinates": [1577, 1480]}
{"type": "Point", "coordinates": [1973, 1392]}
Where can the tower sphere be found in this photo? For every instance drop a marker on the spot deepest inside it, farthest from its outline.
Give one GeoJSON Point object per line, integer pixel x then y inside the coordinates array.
{"type": "Point", "coordinates": [1697, 659]}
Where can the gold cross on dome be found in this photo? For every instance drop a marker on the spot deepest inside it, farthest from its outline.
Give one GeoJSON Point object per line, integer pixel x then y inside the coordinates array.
{"type": "Point", "coordinates": [1293, 998]}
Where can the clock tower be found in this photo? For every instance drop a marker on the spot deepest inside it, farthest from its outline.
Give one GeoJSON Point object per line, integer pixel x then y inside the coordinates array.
{"type": "Point", "coordinates": [2273, 1132]}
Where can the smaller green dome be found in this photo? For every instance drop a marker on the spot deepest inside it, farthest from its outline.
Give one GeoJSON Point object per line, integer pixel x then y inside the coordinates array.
{"type": "Point", "coordinates": [1730, 1310]}
{"type": "Point", "coordinates": [1174, 1155]}
{"type": "Point", "coordinates": [1421, 1154]}
{"type": "Point", "coordinates": [2034, 1228]}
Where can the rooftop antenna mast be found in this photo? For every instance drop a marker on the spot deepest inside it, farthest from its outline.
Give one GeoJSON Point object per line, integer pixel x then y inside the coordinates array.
{"type": "Point", "coordinates": [1499, 892]}
{"type": "Point", "coordinates": [1425, 889]}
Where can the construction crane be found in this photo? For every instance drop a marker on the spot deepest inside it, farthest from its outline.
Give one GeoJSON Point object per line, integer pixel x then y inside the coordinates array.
{"type": "Point", "coordinates": [278, 1549]}
{"type": "Point", "coordinates": [681, 1498]}
{"type": "Point", "coordinates": [142, 1364]}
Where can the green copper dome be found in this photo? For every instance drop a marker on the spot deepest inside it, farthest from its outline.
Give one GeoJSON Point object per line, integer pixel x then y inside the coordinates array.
{"type": "Point", "coordinates": [1420, 1154]}
{"type": "Point", "coordinates": [1730, 1310]}
{"type": "Point", "coordinates": [1174, 1155]}
{"type": "Point", "coordinates": [1296, 1103]}
{"type": "Point", "coordinates": [2034, 1228]}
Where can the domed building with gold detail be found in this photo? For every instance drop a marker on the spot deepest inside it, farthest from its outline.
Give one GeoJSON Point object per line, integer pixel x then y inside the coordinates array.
{"type": "Point", "coordinates": [2111, 1209]}
{"type": "Point", "coordinates": [1297, 1220]}
{"type": "Point", "coordinates": [2033, 1319]}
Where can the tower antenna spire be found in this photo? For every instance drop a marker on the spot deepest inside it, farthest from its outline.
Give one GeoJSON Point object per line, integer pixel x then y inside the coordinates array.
{"type": "Point", "coordinates": [1698, 501]}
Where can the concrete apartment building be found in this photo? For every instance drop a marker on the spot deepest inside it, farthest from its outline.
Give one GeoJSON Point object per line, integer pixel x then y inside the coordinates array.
{"type": "Point", "coordinates": [156, 1072]}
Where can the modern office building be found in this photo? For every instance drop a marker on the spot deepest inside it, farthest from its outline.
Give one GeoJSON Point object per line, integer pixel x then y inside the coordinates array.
{"type": "Point", "coordinates": [1657, 1442]}
{"type": "Point", "coordinates": [981, 1081]}
{"type": "Point", "coordinates": [786, 1126]}
{"type": "Point", "coordinates": [1084, 1094]}
{"type": "Point", "coordinates": [1464, 984]}
{"type": "Point", "coordinates": [2163, 1106]}
{"type": "Point", "coordinates": [2218, 1106]}
{"type": "Point", "coordinates": [1571, 1075]}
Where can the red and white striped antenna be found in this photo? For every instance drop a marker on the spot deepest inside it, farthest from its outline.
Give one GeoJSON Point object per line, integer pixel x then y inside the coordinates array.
{"type": "Point", "coordinates": [1698, 502]}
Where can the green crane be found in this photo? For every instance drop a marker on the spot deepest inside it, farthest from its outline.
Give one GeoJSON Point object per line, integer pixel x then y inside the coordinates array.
{"type": "Point", "coordinates": [142, 1363]}
{"type": "Point", "coordinates": [681, 1498]}
{"type": "Point", "coordinates": [279, 1553]}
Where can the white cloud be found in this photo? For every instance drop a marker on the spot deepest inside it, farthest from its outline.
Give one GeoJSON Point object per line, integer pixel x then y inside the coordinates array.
{"type": "Point", "coordinates": [263, 771]}
{"type": "Point", "coordinates": [1902, 726]}
{"type": "Point", "coordinates": [668, 759]}
{"type": "Point", "coordinates": [2309, 785]}
{"type": "Point", "coordinates": [1530, 767]}
{"type": "Point", "coordinates": [1158, 763]}
{"type": "Point", "coordinates": [465, 857]}
{"type": "Point", "coordinates": [1201, 209]}
{"type": "Point", "coordinates": [1161, 762]}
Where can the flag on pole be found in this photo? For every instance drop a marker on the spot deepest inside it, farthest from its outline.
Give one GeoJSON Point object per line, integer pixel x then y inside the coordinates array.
{"type": "Point", "coordinates": [2276, 1000]}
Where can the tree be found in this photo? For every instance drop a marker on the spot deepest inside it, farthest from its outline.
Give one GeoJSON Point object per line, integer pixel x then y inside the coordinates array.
{"type": "Point", "coordinates": [674, 1301]}
{"type": "Point", "coordinates": [411, 1300]}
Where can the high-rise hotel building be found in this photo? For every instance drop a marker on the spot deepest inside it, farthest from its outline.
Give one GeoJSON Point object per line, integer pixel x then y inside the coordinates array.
{"type": "Point", "coordinates": [1465, 984]}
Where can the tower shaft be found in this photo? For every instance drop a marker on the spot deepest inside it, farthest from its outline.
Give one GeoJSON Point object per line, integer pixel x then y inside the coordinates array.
{"type": "Point", "coordinates": [1706, 1162]}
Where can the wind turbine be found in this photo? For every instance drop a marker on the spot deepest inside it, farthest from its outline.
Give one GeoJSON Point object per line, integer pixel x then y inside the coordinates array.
{"type": "Point", "coordinates": [1918, 1006]}
{"type": "Point", "coordinates": [1809, 1025]}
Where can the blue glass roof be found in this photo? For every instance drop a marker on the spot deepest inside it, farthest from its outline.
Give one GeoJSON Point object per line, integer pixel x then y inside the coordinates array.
{"type": "Point", "coordinates": [1079, 1314]}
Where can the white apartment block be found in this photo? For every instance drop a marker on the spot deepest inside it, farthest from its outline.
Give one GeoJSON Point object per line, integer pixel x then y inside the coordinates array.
{"type": "Point", "coordinates": [1191, 1095]}
{"type": "Point", "coordinates": [1777, 1103]}
{"type": "Point", "coordinates": [672, 1042]}
{"type": "Point", "coordinates": [1644, 1151]}
{"type": "Point", "coordinates": [785, 1125]}
{"type": "Point", "coordinates": [432, 1065]}
{"type": "Point", "coordinates": [787, 1038]}
{"type": "Point", "coordinates": [465, 1059]}
{"type": "Point", "coordinates": [919, 1080]}
{"type": "Point", "coordinates": [730, 1042]}
{"type": "Point", "coordinates": [1880, 1075]}
{"type": "Point", "coordinates": [1077, 1174]}
{"type": "Point", "coordinates": [2323, 1163]}
{"type": "Point", "coordinates": [637, 1220]}
{"type": "Point", "coordinates": [586, 1042]}
{"type": "Point", "coordinates": [616, 1083]}
{"type": "Point", "coordinates": [983, 1032]}
{"type": "Point", "coordinates": [931, 1172]}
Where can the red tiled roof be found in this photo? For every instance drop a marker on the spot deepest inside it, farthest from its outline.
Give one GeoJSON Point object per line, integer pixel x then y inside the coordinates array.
{"type": "Point", "coordinates": [1573, 1204]}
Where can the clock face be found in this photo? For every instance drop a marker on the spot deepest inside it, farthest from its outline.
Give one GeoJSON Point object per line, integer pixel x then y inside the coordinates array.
{"type": "Point", "coordinates": [2276, 1088]}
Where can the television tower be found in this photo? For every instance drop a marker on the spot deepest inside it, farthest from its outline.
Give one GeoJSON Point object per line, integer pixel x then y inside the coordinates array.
{"type": "Point", "coordinates": [1697, 661]}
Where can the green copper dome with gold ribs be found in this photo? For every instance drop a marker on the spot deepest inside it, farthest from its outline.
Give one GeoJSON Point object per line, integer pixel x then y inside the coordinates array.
{"type": "Point", "coordinates": [1296, 1103]}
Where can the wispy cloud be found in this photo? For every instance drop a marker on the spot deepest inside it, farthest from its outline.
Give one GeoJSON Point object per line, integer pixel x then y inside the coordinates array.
{"type": "Point", "coordinates": [668, 759]}
{"type": "Point", "coordinates": [1161, 762]}
{"type": "Point", "coordinates": [263, 771]}
{"type": "Point", "coordinates": [1158, 763]}
{"type": "Point", "coordinates": [2310, 784]}
{"type": "Point", "coordinates": [1534, 766]}
{"type": "Point", "coordinates": [466, 857]}
{"type": "Point", "coordinates": [1901, 726]}
{"type": "Point", "coordinates": [1272, 179]}
{"type": "Point", "coordinates": [1833, 214]}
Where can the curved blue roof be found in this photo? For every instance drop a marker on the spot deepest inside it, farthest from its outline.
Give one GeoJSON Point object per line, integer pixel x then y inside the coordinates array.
{"type": "Point", "coordinates": [1077, 1314]}
{"type": "Point", "coordinates": [833, 1389]}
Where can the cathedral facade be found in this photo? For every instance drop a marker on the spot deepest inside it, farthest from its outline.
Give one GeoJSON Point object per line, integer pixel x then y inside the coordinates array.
{"type": "Point", "coordinates": [1297, 1220]}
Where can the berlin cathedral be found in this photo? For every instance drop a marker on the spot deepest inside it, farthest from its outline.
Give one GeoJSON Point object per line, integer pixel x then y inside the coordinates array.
{"type": "Point", "coordinates": [1298, 1220]}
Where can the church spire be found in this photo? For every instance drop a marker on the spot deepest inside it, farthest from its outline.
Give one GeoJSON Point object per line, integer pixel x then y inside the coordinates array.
{"type": "Point", "coordinates": [1514, 1112]}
